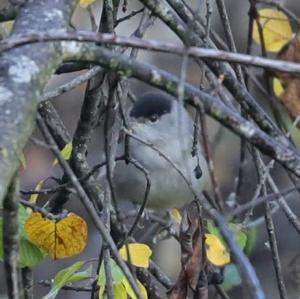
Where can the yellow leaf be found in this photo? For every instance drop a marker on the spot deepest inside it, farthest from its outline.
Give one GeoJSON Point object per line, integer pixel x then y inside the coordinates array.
{"type": "Point", "coordinates": [8, 25]}
{"type": "Point", "coordinates": [4, 152]}
{"type": "Point", "coordinates": [64, 238]}
{"type": "Point", "coordinates": [139, 254]}
{"type": "Point", "coordinates": [38, 187]}
{"type": "Point", "coordinates": [23, 160]}
{"type": "Point", "coordinates": [277, 87]}
{"type": "Point", "coordinates": [276, 28]}
{"type": "Point", "coordinates": [101, 292]}
{"type": "Point", "coordinates": [86, 3]}
{"type": "Point", "coordinates": [119, 291]}
{"type": "Point", "coordinates": [130, 291]}
{"type": "Point", "coordinates": [176, 216]}
{"type": "Point", "coordinates": [216, 251]}
{"type": "Point", "coordinates": [65, 152]}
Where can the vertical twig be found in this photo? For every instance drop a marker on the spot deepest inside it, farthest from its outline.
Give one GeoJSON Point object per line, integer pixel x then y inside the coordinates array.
{"type": "Point", "coordinates": [27, 278]}
{"type": "Point", "coordinates": [274, 251]}
{"type": "Point", "coordinates": [11, 241]}
{"type": "Point", "coordinates": [221, 292]}
{"type": "Point", "coordinates": [271, 234]}
{"type": "Point", "coordinates": [110, 144]}
{"type": "Point", "coordinates": [230, 40]}
{"type": "Point", "coordinates": [208, 155]}
{"type": "Point", "coordinates": [209, 12]}
{"type": "Point", "coordinates": [149, 283]}
{"type": "Point", "coordinates": [108, 273]}
{"type": "Point", "coordinates": [246, 269]}
{"type": "Point", "coordinates": [95, 282]}
{"type": "Point", "coordinates": [85, 200]}
{"type": "Point", "coordinates": [160, 275]}
{"type": "Point", "coordinates": [229, 36]}
{"type": "Point", "coordinates": [147, 190]}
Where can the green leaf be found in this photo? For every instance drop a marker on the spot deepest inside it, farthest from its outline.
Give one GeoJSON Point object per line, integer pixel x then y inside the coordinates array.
{"type": "Point", "coordinates": [63, 276]}
{"type": "Point", "coordinates": [117, 274]}
{"type": "Point", "coordinates": [239, 234]}
{"type": "Point", "coordinates": [68, 275]}
{"type": "Point", "coordinates": [80, 276]}
{"type": "Point", "coordinates": [30, 255]}
{"type": "Point", "coordinates": [213, 229]}
{"type": "Point", "coordinates": [22, 217]}
{"type": "Point", "coordinates": [121, 285]}
{"type": "Point", "coordinates": [251, 241]}
{"type": "Point", "coordinates": [232, 277]}
{"type": "Point", "coordinates": [65, 152]}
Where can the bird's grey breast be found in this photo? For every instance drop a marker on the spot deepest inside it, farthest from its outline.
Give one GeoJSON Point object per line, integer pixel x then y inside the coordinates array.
{"type": "Point", "coordinates": [168, 187]}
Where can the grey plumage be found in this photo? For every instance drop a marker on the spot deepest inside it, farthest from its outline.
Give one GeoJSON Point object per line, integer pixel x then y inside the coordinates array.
{"type": "Point", "coordinates": [165, 123]}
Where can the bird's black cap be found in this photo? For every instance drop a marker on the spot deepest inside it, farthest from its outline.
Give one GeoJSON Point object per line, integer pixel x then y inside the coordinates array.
{"type": "Point", "coordinates": [151, 104]}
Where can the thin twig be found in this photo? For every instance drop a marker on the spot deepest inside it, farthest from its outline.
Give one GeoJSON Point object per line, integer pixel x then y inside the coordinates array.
{"type": "Point", "coordinates": [160, 275]}
{"type": "Point", "coordinates": [153, 45]}
{"type": "Point", "coordinates": [129, 16]}
{"type": "Point", "coordinates": [260, 200]}
{"type": "Point", "coordinates": [147, 190]}
{"type": "Point", "coordinates": [41, 210]}
{"type": "Point", "coordinates": [208, 154]}
{"type": "Point", "coordinates": [229, 36]}
{"type": "Point", "coordinates": [108, 273]}
{"type": "Point", "coordinates": [240, 258]}
{"type": "Point", "coordinates": [294, 18]}
{"type": "Point", "coordinates": [67, 287]}
{"type": "Point", "coordinates": [282, 151]}
{"type": "Point", "coordinates": [271, 234]}
{"type": "Point", "coordinates": [72, 84]}
{"type": "Point", "coordinates": [11, 242]}
{"type": "Point", "coordinates": [178, 23]}
{"type": "Point", "coordinates": [27, 278]}
{"type": "Point", "coordinates": [90, 208]}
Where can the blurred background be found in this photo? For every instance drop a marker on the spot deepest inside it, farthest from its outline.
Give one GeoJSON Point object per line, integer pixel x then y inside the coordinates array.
{"type": "Point", "coordinates": [225, 154]}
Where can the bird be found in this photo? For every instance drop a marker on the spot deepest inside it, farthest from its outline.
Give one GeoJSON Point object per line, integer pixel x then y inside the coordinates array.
{"type": "Point", "coordinates": [163, 123]}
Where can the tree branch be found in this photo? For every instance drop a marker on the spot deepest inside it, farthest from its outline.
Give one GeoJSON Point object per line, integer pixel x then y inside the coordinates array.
{"type": "Point", "coordinates": [85, 200]}
{"type": "Point", "coordinates": [24, 73]}
{"type": "Point", "coordinates": [152, 45]}
{"type": "Point", "coordinates": [11, 241]}
{"type": "Point", "coordinates": [126, 67]}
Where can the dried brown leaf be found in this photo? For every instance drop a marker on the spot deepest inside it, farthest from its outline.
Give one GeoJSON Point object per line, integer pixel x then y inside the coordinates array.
{"type": "Point", "coordinates": [290, 82]}
{"type": "Point", "coordinates": [193, 258]}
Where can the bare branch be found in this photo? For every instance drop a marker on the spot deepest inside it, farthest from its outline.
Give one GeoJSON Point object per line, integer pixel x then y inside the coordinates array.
{"type": "Point", "coordinates": [152, 45]}
{"type": "Point", "coordinates": [90, 208]}
{"type": "Point", "coordinates": [23, 76]}
{"type": "Point", "coordinates": [277, 149]}
{"type": "Point", "coordinates": [11, 241]}
{"type": "Point", "coordinates": [242, 261]}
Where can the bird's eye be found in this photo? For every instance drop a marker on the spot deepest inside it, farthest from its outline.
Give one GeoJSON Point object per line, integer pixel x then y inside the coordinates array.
{"type": "Point", "coordinates": [153, 118]}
